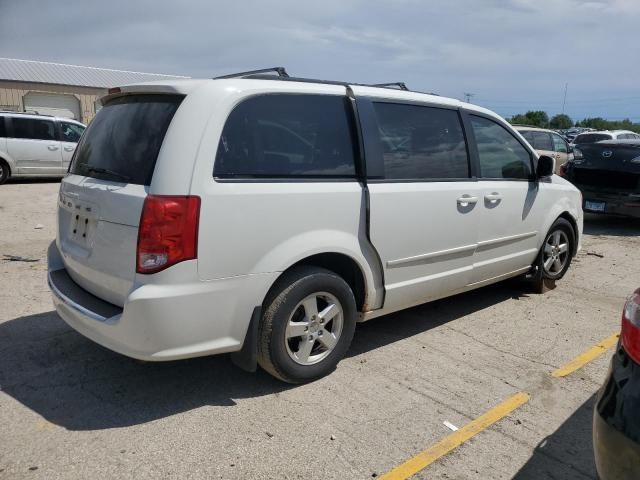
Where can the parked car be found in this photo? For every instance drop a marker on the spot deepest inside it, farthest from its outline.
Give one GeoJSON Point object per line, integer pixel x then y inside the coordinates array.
{"type": "Point", "coordinates": [547, 142]}
{"type": "Point", "coordinates": [597, 136]}
{"type": "Point", "coordinates": [36, 145]}
{"type": "Point", "coordinates": [265, 215]}
{"type": "Point", "coordinates": [608, 174]}
{"type": "Point", "coordinates": [616, 424]}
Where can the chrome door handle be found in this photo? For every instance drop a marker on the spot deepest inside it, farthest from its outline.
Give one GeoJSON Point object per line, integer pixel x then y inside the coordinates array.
{"type": "Point", "coordinates": [465, 200]}
{"type": "Point", "coordinates": [69, 149]}
{"type": "Point", "coordinates": [53, 148]}
{"type": "Point", "coordinates": [493, 197]}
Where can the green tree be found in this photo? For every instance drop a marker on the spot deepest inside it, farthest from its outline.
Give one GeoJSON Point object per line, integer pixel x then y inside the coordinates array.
{"type": "Point", "coordinates": [536, 118]}
{"type": "Point", "coordinates": [561, 121]}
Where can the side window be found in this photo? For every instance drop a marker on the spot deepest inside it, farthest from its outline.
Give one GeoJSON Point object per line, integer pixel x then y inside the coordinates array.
{"type": "Point", "coordinates": [34, 129]}
{"type": "Point", "coordinates": [559, 145]}
{"type": "Point", "coordinates": [540, 140]}
{"type": "Point", "coordinates": [500, 154]}
{"type": "Point", "coordinates": [3, 128]}
{"type": "Point", "coordinates": [70, 132]}
{"type": "Point", "coordinates": [287, 135]}
{"type": "Point", "coordinates": [421, 142]}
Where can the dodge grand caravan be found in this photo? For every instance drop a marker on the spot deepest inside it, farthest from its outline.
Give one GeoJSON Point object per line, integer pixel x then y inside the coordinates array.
{"type": "Point", "coordinates": [265, 215]}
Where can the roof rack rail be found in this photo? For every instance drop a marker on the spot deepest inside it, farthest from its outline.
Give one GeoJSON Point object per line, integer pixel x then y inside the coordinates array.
{"type": "Point", "coordinates": [399, 85]}
{"type": "Point", "coordinates": [28, 112]}
{"type": "Point", "coordinates": [281, 72]}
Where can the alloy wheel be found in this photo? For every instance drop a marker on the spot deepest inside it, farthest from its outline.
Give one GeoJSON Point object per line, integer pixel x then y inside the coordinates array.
{"type": "Point", "coordinates": [556, 252]}
{"type": "Point", "coordinates": [314, 328]}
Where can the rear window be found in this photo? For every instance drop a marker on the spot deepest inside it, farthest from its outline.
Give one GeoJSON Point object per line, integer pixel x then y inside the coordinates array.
{"type": "Point", "coordinates": [287, 135]}
{"type": "Point", "coordinates": [123, 140]}
{"type": "Point", "coordinates": [33, 129]}
{"type": "Point", "coordinates": [592, 137]}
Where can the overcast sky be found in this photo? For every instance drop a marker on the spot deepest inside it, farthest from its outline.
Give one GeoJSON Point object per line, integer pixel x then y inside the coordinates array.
{"type": "Point", "coordinates": [513, 55]}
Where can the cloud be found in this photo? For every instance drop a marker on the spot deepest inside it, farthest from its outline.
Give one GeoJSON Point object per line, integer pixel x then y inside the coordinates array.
{"type": "Point", "coordinates": [511, 53]}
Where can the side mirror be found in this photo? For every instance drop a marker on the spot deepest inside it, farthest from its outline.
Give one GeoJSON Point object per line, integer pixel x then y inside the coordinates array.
{"type": "Point", "coordinates": [546, 166]}
{"type": "Point", "coordinates": [569, 148]}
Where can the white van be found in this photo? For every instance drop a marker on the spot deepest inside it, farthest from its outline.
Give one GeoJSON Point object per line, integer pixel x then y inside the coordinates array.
{"type": "Point", "coordinates": [34, 145]}
{"type": "Point", "coordinates": [265, 215]}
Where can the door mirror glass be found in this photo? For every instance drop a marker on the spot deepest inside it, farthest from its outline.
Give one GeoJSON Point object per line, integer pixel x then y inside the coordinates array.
{"type": "Point", "coordinates": [546, 166]}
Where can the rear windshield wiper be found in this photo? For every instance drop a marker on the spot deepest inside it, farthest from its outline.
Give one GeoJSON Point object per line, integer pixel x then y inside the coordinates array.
{"type": "Point", "coordinates": [108, 172]}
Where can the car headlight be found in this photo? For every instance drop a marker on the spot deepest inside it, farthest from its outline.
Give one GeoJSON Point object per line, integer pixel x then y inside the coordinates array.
{"type": "Point", "coordinates": [635, 160]}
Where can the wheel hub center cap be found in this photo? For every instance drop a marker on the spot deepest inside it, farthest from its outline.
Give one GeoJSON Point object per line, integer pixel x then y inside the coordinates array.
{"type": "Point", "coordinates": [314, 327]}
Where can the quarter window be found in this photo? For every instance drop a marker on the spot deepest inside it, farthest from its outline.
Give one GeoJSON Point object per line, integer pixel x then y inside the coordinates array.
{"type": "Point", "coordinates": [287, 135]}
{"type": "Point", "coordinates": [500, 154]}
{"type": "Point", "coordinates": [33, 128]}
{"type": "Point", "coordinates": [3, 129]}
{"type": "Point", "coordinates": [421, 142]}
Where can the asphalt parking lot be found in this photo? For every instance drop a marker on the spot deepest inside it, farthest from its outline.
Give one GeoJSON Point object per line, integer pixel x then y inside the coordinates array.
{"type": "Point", "coordinates": [72, 409]}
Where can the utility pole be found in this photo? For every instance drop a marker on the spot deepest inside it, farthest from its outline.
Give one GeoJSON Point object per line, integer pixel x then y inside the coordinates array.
{"type": "Point", "coordinates": [467, 96]}
{"type": "Point", "coordinates": [564, 101]}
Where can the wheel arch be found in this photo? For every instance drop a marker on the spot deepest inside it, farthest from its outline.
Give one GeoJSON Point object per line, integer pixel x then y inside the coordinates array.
{"type": "Point", "coordinates": [574, 225]}
{"type": "Point", "coordinates": [342, 265]}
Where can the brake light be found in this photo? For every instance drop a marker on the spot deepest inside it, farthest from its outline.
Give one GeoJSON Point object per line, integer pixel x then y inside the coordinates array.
{"type": "Point", "coordinates": [113, 90]}
{"type": "Point", "coordinates": [631, 326]}
{"type": "Point", "coordinates": [168, 232]}
{"type": "Point", "coordinates": [563, 169]}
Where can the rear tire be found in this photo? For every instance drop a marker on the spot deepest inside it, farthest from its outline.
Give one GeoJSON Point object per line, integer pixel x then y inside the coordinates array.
{"type": "Point", "coordinates": [4, 171]}
{"type": "Point", "coordinates": [307, 326]}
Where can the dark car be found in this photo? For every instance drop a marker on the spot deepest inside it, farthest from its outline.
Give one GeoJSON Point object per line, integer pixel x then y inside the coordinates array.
{"type": "Point", "coordinates": [616, 419]}
{"type": "Point", "coordinates": [607, 173]}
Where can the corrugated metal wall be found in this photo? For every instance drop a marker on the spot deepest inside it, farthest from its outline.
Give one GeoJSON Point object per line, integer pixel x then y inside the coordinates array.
{"type": "Point", "coordinates": [11, 94]}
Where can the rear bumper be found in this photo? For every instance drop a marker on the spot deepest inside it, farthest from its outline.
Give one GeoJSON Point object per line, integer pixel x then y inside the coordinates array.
{"type": "Point", "coordinates": [622, 204]}
{"type": "Point", "coordinates": [162, 321]}
{"type": "Point", "coordinates": [616, 423]}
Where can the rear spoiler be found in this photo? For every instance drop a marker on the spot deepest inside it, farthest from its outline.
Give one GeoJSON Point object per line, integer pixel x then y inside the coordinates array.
{"type": "Point", "coordinates": [142, 88]}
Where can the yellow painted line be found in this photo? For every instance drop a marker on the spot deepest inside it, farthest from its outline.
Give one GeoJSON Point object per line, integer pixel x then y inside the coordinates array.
{"type": "Point", "coordinates": [457, 438]}
{"type": "Point", "coordinates": [586, 357]}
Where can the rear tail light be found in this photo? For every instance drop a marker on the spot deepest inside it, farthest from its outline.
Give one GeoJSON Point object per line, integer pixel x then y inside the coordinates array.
{"type": "Point", "coordinates": [563, 169]}
{"type": "Point", "coordinates": [168, 232]}
{"type": "Point", "coordinates": [631, 326]}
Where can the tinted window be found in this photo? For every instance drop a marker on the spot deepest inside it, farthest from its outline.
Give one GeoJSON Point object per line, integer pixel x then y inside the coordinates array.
{"type": "Point", "coordinates": [538, 140]}
{"type": "Point", "coordinates": [284, 135]}
{"type": "Point", "coordinates": [592, 137]}
{"type": "Point", "coordinates": [124, 138]}
{"type": "Point", "coordinates": [559, 145]}
{"type": "Point", "coordinates": [500, 154]}
{"type": "Point", "coordinates": [421, 142]}
{"type": "Point", "coordinates": [3, 130]}
{"type": "Point", "coordinates": [70, 132]}
{"type": "Point", "coordinates": [33, 128]}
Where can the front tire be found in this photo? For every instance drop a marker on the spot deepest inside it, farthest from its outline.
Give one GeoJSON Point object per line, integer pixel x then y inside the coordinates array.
{"type": "Point", "coordinates": [557, 250]}
{"type": "Point", "coordinates": [307, 326]}
{"type": "Point", "coordinates": [4, 171]}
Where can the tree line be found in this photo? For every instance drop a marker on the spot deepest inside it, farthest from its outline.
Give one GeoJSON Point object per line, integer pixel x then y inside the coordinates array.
{"type": "Point", "coordinates": [539, 118]}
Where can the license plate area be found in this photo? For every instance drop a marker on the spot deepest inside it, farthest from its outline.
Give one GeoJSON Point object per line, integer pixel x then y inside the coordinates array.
{"type": "Point", "coordinates": [593, 206]}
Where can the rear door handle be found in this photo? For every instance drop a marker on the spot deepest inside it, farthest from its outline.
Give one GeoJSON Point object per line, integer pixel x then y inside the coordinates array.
{"type": "Point", "coordinates": [52, 148]}
{"type": "Point", "coordinates": [69, 149]}
{"type": "Point", "coordinates": [465, 200]}
{"type": "Point", "coordinates": [493, 197]}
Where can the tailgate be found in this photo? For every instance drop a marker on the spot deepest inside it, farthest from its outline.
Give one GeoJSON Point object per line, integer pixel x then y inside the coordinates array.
{"type": "Point", "coordinates": [101, 201]}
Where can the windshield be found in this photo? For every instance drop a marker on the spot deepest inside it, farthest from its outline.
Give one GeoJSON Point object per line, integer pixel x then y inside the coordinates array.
{"type": "Point", "coordinates": [123, 140]}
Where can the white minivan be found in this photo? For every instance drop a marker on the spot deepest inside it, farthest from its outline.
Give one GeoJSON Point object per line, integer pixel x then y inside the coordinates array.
{"type": "Point", "coordinates": [265, 215]}
{"type": "Point", "coordinates": [34, 145]}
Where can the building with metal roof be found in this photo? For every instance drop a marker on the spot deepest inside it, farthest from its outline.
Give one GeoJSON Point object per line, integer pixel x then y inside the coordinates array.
{"type": "Point", "coordinates": [58, 89]}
